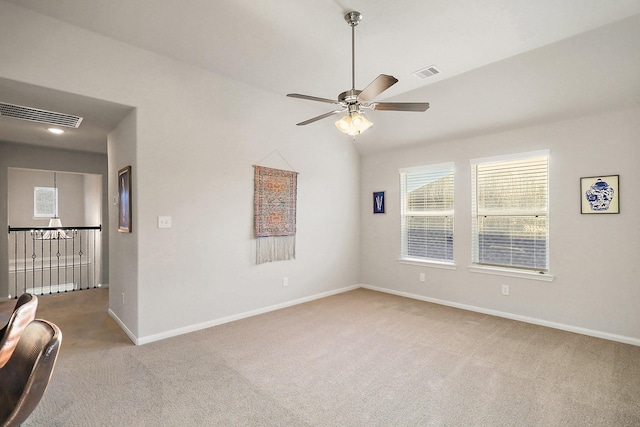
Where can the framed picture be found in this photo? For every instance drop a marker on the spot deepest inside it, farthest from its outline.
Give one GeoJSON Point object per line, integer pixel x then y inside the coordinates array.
{"type": "Point", "coordinates": [124, 200]}
{"type": "Point", "coordinates": [378, 202]}
{"type": "Point", "coordinates": [600, 194]}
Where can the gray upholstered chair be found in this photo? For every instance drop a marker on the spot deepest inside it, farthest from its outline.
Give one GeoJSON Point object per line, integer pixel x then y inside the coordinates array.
{"type": "Point", "coordinates": [23, 313]}
{"type": "Point", "coordinates": [25, 377]}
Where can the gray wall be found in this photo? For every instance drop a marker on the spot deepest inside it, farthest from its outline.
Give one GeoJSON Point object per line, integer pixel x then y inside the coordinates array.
{"type": "Point", "coordinates": [78, 203]}
{"type": "Point", "coordinates": [28, 157]}
{"type": "Point", "coordinates": [594, 257]}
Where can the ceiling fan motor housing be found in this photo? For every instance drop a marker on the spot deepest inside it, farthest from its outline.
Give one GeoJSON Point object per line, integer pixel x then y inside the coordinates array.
{"type": "Point", "coordinates": [353, 18]}
{"type": "Point", "coordinates": [349, 97]}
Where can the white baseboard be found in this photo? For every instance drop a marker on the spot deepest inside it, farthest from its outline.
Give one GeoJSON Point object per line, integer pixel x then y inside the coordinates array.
{"type": "Point", "coordinates": [526, 319]}
{"type": "Point", "coordinates": [52, 289]}
{"type": "Point", "coordinates": [126, 330]}
{"type": "Point", "coordinates": [232, 318]}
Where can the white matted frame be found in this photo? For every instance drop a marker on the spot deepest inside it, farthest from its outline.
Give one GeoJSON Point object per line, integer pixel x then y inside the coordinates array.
{"type": "Point", "coordinates": [600, 194]}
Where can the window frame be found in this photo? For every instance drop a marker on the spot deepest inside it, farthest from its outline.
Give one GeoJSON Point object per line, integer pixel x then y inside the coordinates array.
{"type": "Point", "coordinates": [502, 269]}
{"type": "Point", "coordinates": [438, 168]}
{"type": "Point", "coordinates": [38, 211]}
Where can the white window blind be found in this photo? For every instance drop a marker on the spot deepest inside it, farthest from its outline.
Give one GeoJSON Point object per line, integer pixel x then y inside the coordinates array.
{"type": "Point", "coordinates": [427, 212]}
{"type": "Point", "coordinates": [510, 211]}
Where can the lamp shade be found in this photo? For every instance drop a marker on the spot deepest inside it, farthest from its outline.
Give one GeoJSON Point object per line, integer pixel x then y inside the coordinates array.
{"type": "Point", "coordinates": [344, 123]}
{"type": "Point", "coordinates": [353, 124]}
{"type": "Point", "coordinates": [55, 234]}
{"type": "Point", "coordinates": [55, 222]}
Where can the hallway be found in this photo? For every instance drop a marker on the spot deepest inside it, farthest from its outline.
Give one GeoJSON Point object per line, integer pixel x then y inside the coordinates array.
{"type": "Point", "coordinates": [82, 317]}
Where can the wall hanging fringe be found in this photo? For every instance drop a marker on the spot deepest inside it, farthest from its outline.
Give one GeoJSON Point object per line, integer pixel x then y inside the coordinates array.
{"type": "Point", "coordinates": [275, 248]}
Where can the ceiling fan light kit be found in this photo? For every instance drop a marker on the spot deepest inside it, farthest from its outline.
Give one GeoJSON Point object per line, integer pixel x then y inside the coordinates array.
{"type": "Point", "coordinates": [354, 101]}
{"type": "Point", "coordinates": [353, 124]}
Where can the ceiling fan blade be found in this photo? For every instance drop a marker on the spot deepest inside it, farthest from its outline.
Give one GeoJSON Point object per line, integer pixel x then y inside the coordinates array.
{"type": "Point", "coordinates": [376, 87]}
{"type": "Point", "coordinates": [323, 116]}
{"type": "Point", "coordinates": [313, 98]}
{"type": "Point", "coordinates": [400, 106]}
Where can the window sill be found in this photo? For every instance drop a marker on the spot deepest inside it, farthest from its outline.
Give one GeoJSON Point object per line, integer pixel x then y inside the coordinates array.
{"type": "Point", "coordinates": [510, 272]}
{"type": "Point", "coordinates": [427, 263]}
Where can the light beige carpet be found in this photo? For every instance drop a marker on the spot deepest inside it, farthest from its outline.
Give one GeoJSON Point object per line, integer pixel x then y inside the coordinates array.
{"type": "Point", "coordinates": [361, 358]}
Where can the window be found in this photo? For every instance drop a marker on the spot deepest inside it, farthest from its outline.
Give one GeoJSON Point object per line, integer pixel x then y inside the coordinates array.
{"type": "Point", "coordinates": [45, 202]}
{"type": "Point", "coordinates": [510, 211]}
{"type": "Point", "coordinates": [427, 212]}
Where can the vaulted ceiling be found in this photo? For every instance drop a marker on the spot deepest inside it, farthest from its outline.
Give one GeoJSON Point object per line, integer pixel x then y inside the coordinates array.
{"type": "Point", "coordinates": [504, 63]}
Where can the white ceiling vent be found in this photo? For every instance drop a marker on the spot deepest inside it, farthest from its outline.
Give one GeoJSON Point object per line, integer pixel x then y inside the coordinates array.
{"type": "Point", "coordinates": [427, 72]}
{"type": "Point", "coordinates": [42, 116]}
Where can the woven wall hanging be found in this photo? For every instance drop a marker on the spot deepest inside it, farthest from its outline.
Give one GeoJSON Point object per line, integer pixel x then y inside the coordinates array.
{"type": "Point", "coordinates": [274, 216]}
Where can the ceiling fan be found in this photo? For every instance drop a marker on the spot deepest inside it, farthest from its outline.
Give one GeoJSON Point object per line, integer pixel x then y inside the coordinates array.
{"type": "Point", "coordinates": [355, 101]}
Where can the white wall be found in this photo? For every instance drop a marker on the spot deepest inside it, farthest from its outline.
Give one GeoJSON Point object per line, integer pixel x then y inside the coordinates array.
{"type": "Point", "coordinates": [594, 257]}
{"type": "Point", "coordinates": [123, 248]}
{"type": "Point", "coordinates": [197, 136]}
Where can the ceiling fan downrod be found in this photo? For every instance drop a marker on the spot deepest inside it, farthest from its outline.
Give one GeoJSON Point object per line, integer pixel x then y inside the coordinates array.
{"type": "Point", "coordinates": [353, 18]}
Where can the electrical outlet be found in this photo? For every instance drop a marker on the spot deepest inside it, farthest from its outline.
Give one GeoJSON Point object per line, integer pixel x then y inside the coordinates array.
{"type": "Point", "coordinates": [164, 222]}
{"type": "Point", "coordinates": [505, 289]}
{"type": "Point", "coordinates": [422, 277]}
{"type": "Point", "coordinates": [285, 281]}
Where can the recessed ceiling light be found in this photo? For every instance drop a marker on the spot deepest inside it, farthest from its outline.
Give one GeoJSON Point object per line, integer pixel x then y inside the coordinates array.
{"type": "Point", "coordinates": [55, 130]}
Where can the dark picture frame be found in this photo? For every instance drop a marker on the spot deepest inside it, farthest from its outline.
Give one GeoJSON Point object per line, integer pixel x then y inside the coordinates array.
{"type": "Point", "coordinates": [600, 194]}
{"type": "Point", "coordinates": [124, 200]}
{"type": "Point", "coordinates": [378, 202]}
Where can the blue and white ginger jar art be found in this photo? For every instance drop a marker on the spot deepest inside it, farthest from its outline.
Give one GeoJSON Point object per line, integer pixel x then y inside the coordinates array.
{"type": "Point", "coordinates": [599, 195]}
